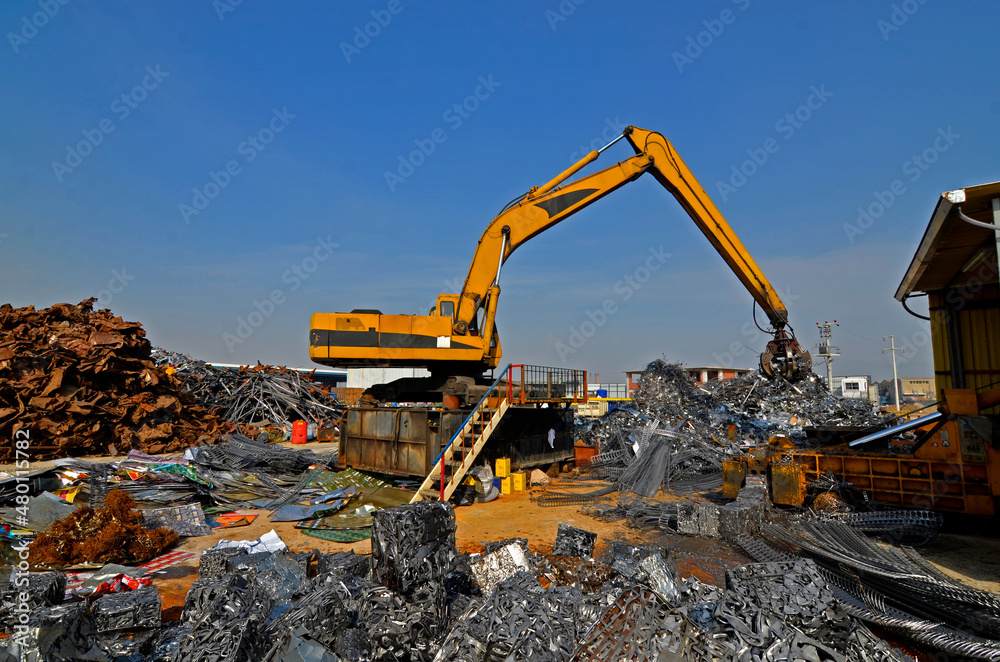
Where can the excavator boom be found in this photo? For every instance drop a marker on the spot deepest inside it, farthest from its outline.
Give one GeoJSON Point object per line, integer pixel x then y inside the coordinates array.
{"type": "Point", "coordinates": [460, 333]}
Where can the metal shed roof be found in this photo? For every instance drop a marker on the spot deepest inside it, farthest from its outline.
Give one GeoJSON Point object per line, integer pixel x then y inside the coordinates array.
{"type": "Point", "coordinates": [952, 250]}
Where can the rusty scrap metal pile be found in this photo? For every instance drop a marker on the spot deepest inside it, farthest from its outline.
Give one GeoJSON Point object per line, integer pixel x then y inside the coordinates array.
{"type": "Point", "coordinates": [251, 395]}
{"type": "Point", "coordinates": [83, 382]}
{"type": "Point", "coordinates": [417, 598]}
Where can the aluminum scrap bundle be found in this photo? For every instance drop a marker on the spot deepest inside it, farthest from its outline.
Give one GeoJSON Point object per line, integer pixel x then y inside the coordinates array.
{"type": "Point", "coordinates": [412, 544]}
{"type": "Point", "coordinates": [520, 621]}
{"type": "Point", "coordinates": [253, 394]}
{"type": "Point", "coordinates": [131, 610]}
{"type": "Point", "coordinates": [43, 589]}
{"type": "Point", "coordinates": [320, 612]}
{"type": "Point", "coordinates": [226, 619]}
{"type": "Point", "coordinates": [86, 384]}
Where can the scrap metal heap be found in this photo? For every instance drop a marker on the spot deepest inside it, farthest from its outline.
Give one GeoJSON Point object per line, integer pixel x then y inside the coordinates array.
{"type": "Point", "coordinates": [83, 382]}
{"type": "Point", "coordinates": [889, 587]}
{"type": "Point", "coordinates": [418, 599]}
{"type": "Point", "coordinates": [757, 407]}
{"type": "Point", "coordinates": [252, 394]}
{"type": "Point", "coordinates": [678, 434]}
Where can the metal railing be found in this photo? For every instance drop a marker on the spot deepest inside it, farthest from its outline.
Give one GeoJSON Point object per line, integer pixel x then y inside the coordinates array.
{"type": "Point", "coordinates": [483, 411]}
{"type": "Point", "coordinates": [536, 383]}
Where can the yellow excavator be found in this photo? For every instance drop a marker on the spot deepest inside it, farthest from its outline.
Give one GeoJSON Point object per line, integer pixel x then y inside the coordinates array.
{"type": "Point", "coordinates": [459, 336]}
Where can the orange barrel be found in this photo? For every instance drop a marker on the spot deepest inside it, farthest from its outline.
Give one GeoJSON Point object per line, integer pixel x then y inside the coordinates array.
{"type": "Point", "coordinates": [299, 432]}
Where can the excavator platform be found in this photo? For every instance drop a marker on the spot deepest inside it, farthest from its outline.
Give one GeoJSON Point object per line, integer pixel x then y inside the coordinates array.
{"type": "Point", "coordinates": [524, 415]}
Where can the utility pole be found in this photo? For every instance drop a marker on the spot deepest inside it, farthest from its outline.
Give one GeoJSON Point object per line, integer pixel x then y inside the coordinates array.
{"type": "Point", "coordinates": [826, 350]}
{"type": "Point", "coordinates": [895, 380]}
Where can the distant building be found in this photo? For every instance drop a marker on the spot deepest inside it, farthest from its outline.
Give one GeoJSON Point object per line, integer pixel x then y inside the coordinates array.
{"type": "Point", "coordinates": [911, 389]}
{"type": "Point", "coordinates": [364, 377]}
{"type": "Point", "coordinates": [856, 387]}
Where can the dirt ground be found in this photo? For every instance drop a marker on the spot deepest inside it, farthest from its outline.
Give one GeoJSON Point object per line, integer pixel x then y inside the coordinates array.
{"type": "Point", "coordinates": [972, 560]}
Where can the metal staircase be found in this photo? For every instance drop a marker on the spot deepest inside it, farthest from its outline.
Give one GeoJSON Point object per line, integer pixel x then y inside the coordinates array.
{"type": "Point", "coordinates": [460, 453]}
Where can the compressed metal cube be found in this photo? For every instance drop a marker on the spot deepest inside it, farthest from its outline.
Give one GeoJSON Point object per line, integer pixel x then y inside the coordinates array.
{"type": "Point", "coordinates": [132, 610]}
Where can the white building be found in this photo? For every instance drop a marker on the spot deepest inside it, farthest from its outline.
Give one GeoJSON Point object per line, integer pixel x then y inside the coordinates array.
{"type": "Point", "coordinates": [365, 377]}
{"type": "Point", "coordinates": [855, 388]}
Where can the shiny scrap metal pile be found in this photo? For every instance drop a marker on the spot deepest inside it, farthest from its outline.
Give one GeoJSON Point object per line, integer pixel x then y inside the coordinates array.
{"type": "Point", "coordinates": [252, 394]}
{"type": "Point", "coordinates": [758, 407]}
{"type": "Point", "coordinates": [678, 434]}
{"type": "Point", "coordinates": [890, 587]}
{"type": "Point", "coordinates": [417, 598]}
{"type": "Point", "coordinates": [82, 381]}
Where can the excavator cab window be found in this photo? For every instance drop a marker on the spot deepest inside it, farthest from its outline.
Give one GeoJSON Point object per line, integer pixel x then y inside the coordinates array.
{"type": "Point", "coordinates": [476, 322]}
{"type": "Point", "coordinates": [447, 309]}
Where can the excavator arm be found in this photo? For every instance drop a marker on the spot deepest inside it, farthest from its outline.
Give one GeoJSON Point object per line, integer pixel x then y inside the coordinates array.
{"type": "Point", "coordinates": [545, 206]}
{"type": "Point", "coordinates": [460, 334]}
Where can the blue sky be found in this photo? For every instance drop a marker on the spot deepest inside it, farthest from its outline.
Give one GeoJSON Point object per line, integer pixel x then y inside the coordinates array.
{"type": "Point", "coordinates": [308, 117]}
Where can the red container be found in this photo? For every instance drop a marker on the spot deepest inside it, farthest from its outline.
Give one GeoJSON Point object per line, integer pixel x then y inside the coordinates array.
{"type": "Point", "coordinates": [299, 431]}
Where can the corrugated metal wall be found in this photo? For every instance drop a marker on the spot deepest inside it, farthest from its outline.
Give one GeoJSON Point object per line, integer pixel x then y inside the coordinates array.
{"type": "Point", "coordinates": [965, 335]}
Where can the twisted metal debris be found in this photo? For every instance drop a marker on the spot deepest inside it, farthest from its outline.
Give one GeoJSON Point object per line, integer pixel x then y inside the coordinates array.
{"type": "Point", "coordinates": [678, 435]}
{"type": "Point", "coordinates": [257, 394]}
{"type": "Point", "coordinates": [893, 587]}
{"type": "Point", "coordinates": [417, 599]}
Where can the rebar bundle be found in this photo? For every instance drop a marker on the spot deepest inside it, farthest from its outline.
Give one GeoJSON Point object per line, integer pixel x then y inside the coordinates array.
{"type": "Point", "coordinates": [253, 394]}
{"type": "Point", "coordinates": [896, 588]}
